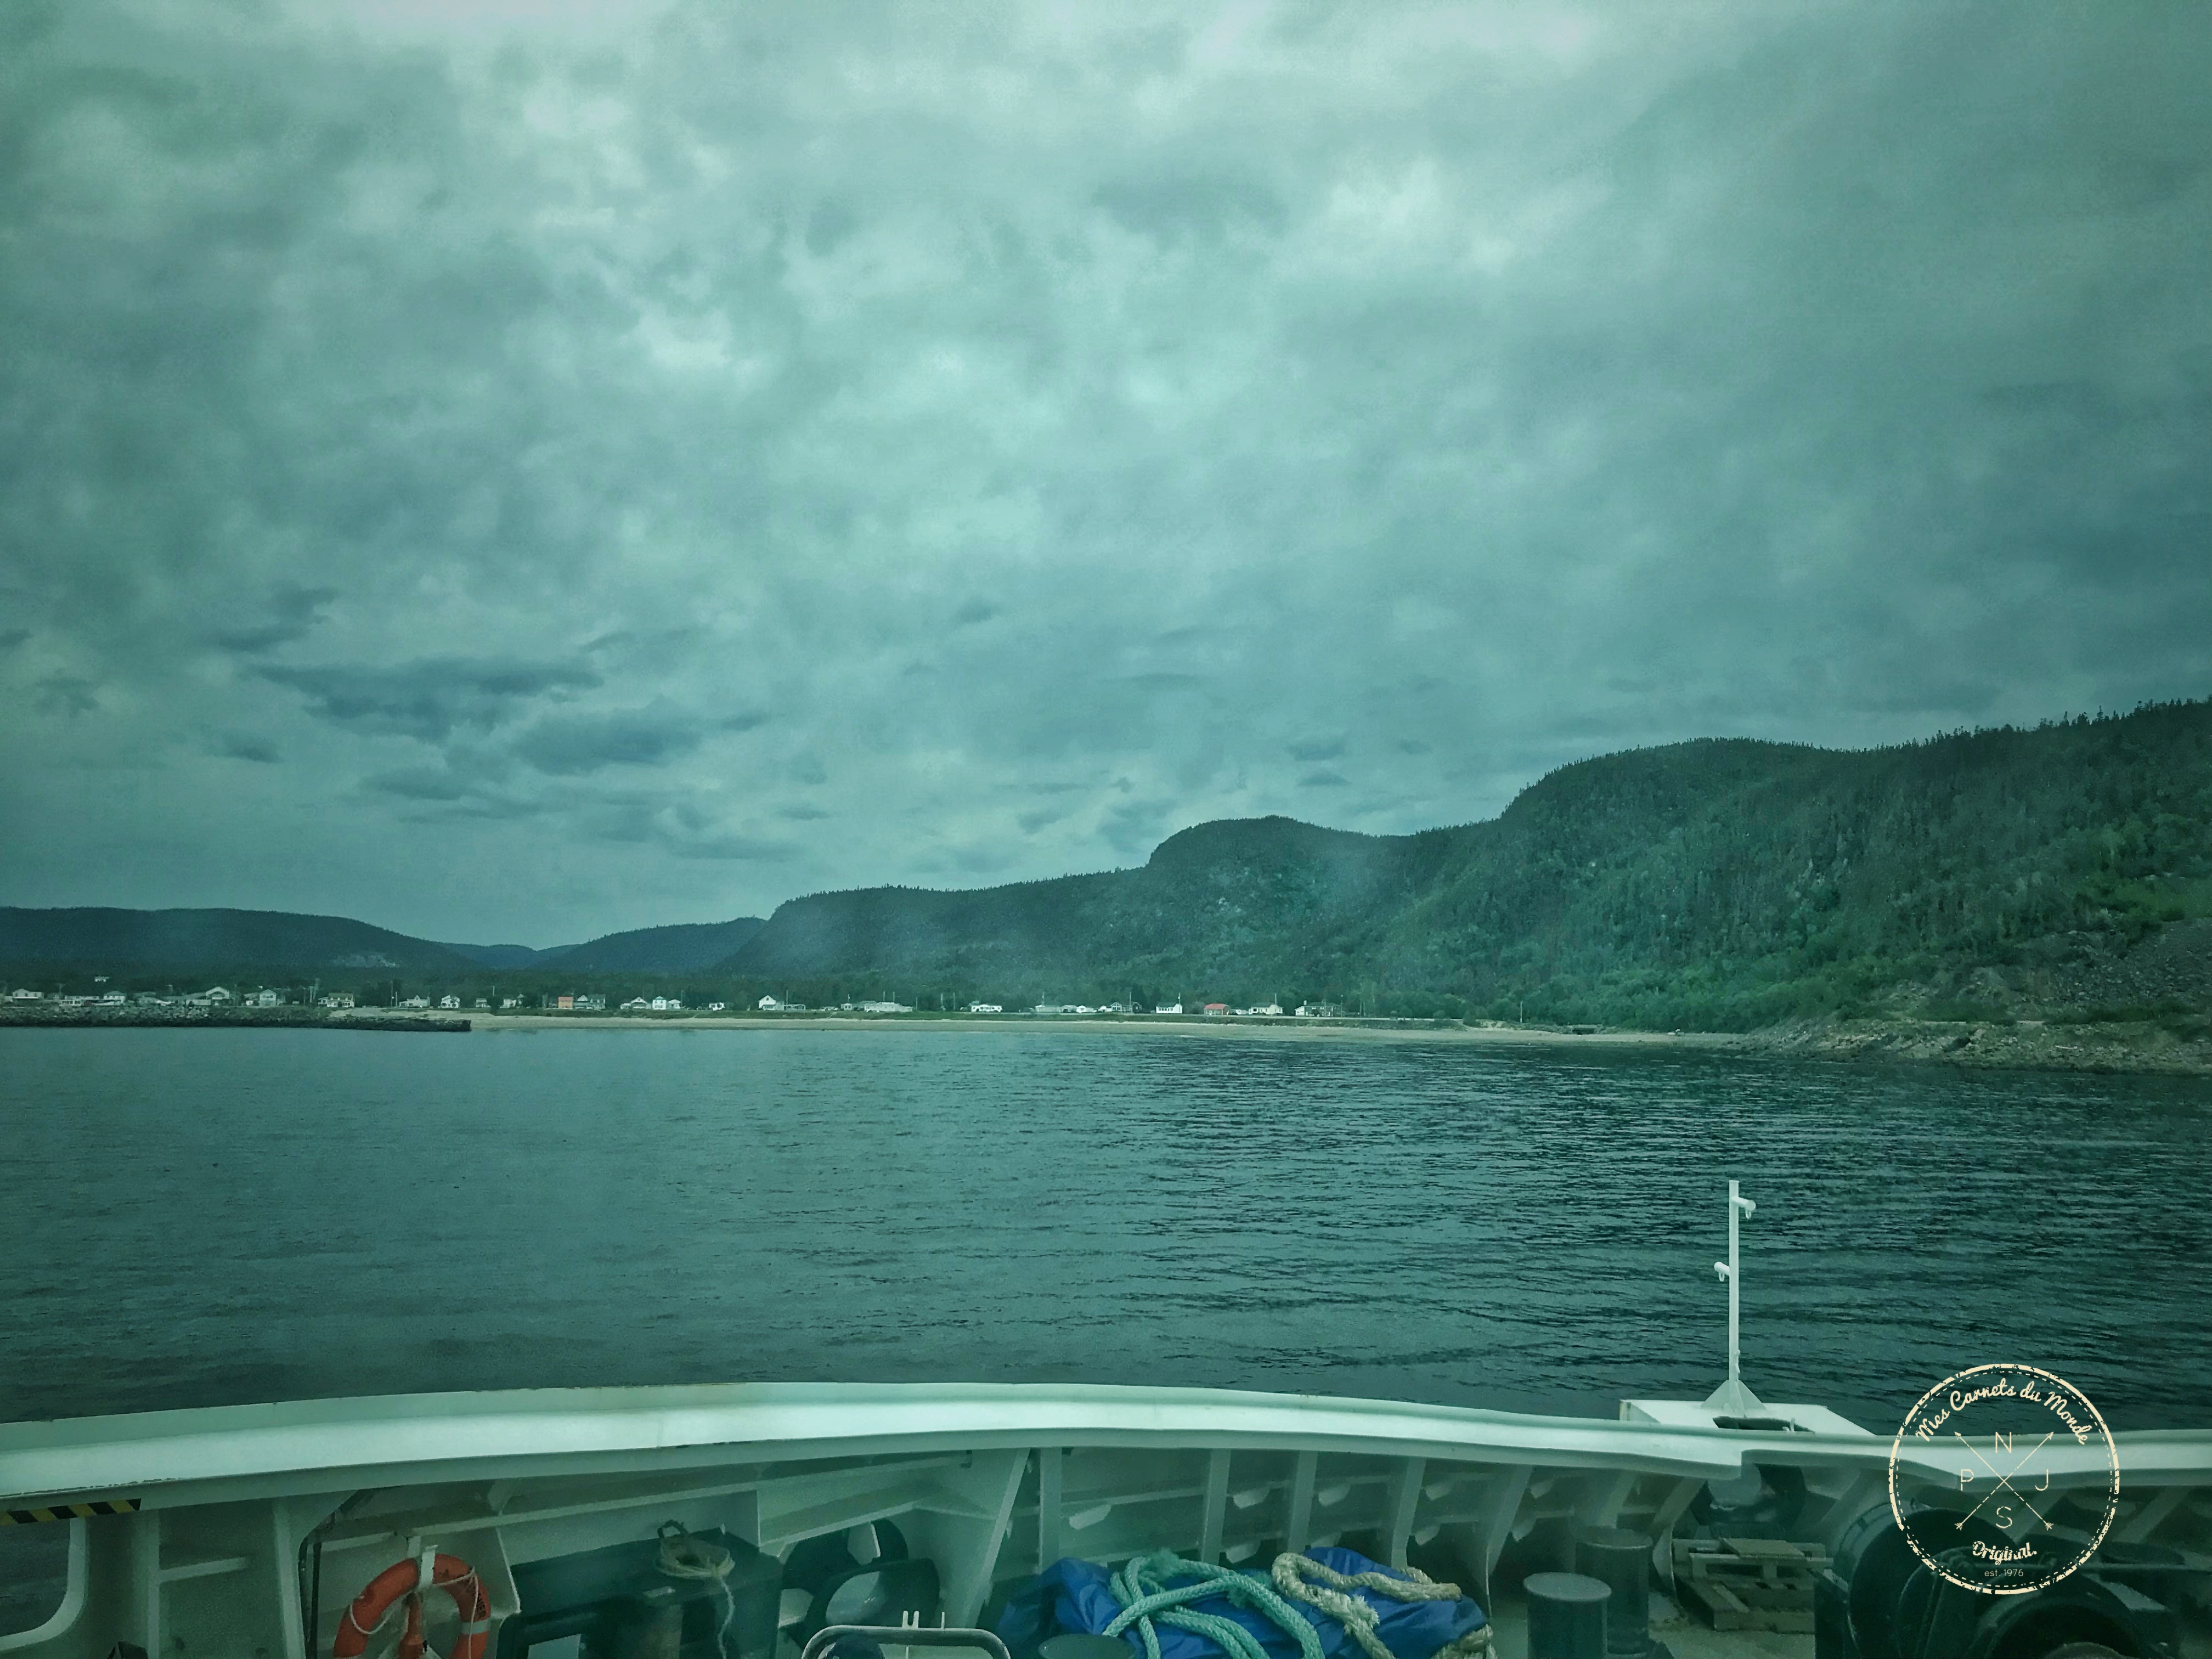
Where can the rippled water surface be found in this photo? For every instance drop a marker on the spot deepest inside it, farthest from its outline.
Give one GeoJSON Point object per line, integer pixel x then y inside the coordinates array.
{"type": "Point", "coordinates": [207, 1217]}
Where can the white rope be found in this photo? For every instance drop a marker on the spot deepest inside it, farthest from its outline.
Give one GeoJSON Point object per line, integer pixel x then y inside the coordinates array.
{"type": "Point", "coordinates": [683, 1556]}
{"type": "Point", "coordinates": [399, 1602]}
{"type": "Point", "coordinates": [1301, 1579]}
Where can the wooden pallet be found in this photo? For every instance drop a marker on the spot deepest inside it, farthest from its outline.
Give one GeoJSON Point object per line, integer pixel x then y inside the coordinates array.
{"type": "Point", "coordinates": [1749, 1583]}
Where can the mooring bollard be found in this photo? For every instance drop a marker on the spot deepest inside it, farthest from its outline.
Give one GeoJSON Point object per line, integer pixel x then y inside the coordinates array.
{"type": "Point", "coordinates": [1566, 1615]}
{"type": "Point", "coordinates": [1622, 1561]}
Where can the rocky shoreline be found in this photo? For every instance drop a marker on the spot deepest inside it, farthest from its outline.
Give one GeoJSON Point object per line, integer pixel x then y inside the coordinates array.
{"type": "Point", "coordinates": [2018, 1045]}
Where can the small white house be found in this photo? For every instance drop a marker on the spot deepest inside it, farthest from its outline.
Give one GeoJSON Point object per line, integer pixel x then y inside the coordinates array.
{"type": "Point", "coordinates": [449, 1001]}
{"type": "Point", "coordinates": [216, 995]}
{"type": "Point", "coordinates": [885, 1008]}
{"type": "Point", "coordinates": [770, 1006]}
{"type": "Point", "coordinates": [716, 1007]}
{"type": "Point", "coordinates": [985, 1008]}
{"type": "Point", "coordinates": [416, 1002]}
{"type": "Point", "coordinates": [484, 1003]}
{"type": "Point", "coordinates": [636, 1005]}
{"type": "Point", "coordinates": [1168, 1008]}
{"type": "Point", "coordinates": [264, 999]}
{"type": "Point", "coordinates": [338, 998]}
{"type": "Point", "coordinates": [506, 1003]}
{"type": "Point", "coordinates": [23, 995]}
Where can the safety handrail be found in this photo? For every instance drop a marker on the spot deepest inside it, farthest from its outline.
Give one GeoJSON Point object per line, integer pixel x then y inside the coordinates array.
{"type": "Point", "coordinates": [942, 1636]}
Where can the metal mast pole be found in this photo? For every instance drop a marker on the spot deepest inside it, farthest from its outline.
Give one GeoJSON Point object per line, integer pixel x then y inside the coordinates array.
{"type": "Point", "coordinates": [1732, 1396]}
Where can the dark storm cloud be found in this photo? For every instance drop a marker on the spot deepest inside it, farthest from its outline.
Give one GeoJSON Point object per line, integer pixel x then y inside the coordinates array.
{"type": "Point", "coordinates": [420, 783]}
{"type": "Point", "coordinates": [66, 693]}
{"type": "Point", "coordinates": [567, 745]}
{"type": "Point", "coordinates": [744, 849]}
{"type": "Point", "coordinates": [293, 614]}
{"type": "Point", "coordinates": [427, 699]}
{"type": "Point", "coordinates": [590, 456]}
{"type": "Point", "coordinates": [235, 745]}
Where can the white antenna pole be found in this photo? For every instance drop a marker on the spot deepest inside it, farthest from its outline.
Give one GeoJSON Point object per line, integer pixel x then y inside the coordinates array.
{"type": "Point", "coordinates": [1732, 1396]}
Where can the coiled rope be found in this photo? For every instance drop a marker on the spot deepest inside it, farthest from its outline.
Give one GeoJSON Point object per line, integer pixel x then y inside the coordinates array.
{"type": "Point", "coordinates": [1160, 1585]}
{"type": "Point", "coordinates": [1301, 1578]}
{"type": "Point", "coordinates": [1147, 1588]}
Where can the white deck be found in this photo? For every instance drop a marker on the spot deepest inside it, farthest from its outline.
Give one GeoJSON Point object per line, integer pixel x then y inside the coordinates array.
{"type": "Point", "coordinates": [989, 1481]}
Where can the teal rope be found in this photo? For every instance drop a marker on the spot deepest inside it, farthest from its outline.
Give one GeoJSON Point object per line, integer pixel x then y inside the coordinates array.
{"type": "Point", "coordinates": [1146, 1588]}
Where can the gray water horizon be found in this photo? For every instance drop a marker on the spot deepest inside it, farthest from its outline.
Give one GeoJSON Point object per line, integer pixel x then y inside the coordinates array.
{"type": "Point", "coordinates": [222, 1217]}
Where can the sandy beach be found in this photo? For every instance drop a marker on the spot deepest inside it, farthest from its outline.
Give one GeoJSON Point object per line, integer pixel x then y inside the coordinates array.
{"type": "Point", "coordinates": [2027, 1046]}
{"type": "Point", "coordinates": [2022, 1045]}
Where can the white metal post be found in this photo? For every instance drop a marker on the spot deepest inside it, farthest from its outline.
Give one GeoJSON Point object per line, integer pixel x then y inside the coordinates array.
{"type": "Point", "coordinates": [1732, 1396]}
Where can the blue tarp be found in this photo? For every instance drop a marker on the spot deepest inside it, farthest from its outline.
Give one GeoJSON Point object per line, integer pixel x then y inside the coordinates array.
{"type": "Point", "coordinates": [1076, 1596]}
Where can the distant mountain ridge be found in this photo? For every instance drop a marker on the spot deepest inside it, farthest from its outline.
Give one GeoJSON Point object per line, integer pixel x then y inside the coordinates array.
{"type": "Point", "coordinates": [187, 939]}
{"type": "Point", "coordinates": [682, 947]}
{"type": "Point", "coordinates": [678, 948]}
{"type": "Point", "coordinates": [505, 956]}
{"type": "Point", "coordinates": [214, 939]}
{"type": "Point", "coordinates": [1718, 884]}
{"type": "Point", "coordinates": [1237, 899]}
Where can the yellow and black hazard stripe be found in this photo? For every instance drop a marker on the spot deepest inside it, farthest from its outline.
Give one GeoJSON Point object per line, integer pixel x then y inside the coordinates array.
{"type": "Point", "coordinates": [68, 1511]}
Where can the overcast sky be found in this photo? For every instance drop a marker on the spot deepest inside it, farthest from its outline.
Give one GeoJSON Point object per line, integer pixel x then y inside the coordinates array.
{"type": "Point", "coordinates": [512, 471]}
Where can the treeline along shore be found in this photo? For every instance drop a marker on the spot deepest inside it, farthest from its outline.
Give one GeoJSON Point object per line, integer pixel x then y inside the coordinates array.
{"type": "Point", "coordinates": [2048, 889]}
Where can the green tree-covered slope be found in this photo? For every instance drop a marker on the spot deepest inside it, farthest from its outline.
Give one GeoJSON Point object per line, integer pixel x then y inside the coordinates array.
{"type": "Point", "coordinates": [209, 941]}
{"type": "Point", "coordinates": [1715, 884]}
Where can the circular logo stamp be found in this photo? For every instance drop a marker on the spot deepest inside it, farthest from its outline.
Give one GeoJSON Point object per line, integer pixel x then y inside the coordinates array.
{"type": "Point", "coordinates": [1996, 1451]}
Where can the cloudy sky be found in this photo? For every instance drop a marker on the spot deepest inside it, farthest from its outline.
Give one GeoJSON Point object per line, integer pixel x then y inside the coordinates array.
{"type": "Point", "coordinates": [512, 471]}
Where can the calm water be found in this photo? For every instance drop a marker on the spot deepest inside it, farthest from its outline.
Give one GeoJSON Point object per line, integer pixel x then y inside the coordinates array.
{"type": "Point", "coordinates": [207, 1217]}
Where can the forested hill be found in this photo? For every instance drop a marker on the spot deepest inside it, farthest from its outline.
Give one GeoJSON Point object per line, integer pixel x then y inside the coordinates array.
{"type": "Point", "coordinates": [1247, 902]}
{"type": "Point", "coordinates": [1719, 884]}
{"type": "Point", "coordinates": [210, 940]}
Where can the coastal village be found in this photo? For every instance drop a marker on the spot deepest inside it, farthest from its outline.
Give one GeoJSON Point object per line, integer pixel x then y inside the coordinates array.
{"type": "Point", "coordinates": [227, 998]}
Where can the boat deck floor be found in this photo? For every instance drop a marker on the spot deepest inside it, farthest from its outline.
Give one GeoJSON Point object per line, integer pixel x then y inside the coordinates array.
{"type": "Point", "coordinates": [1688, 1637]}
{"type": "Point", "coordinates": [1685, 1636]}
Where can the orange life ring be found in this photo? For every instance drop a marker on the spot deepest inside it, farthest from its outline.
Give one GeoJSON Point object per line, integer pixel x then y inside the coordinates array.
{"type": "Point", "coordinates": [450, 1574]}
